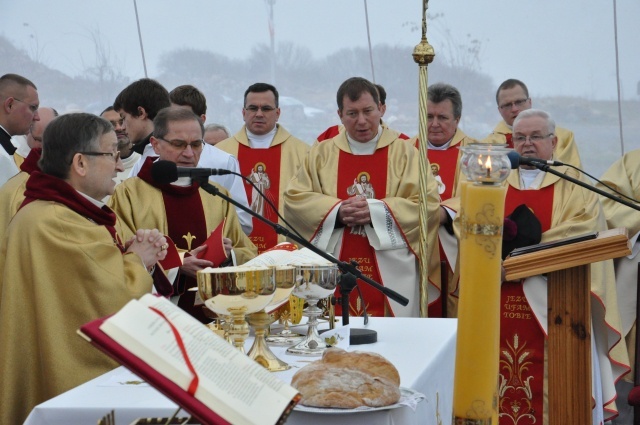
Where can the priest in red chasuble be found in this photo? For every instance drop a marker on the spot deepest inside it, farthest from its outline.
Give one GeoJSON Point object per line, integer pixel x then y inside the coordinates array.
{"type": "Point", "coordinates": [63, 265]}
{"type": "Point", "coordinates": [563, 209]}
{"type": "Point", "coordinates": [182, 210]}
{"type": "Point", "coordinates": [444, 110]}
{"type": "Point", "coordinates": [356, 196]}
{"type": "Point", "coordinates": [268, 155]}
{"type": "Point", "coordinates": [334, 130]}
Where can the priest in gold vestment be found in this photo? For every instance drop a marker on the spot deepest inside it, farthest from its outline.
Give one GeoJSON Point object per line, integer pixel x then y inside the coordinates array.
{"type": "Point", "coordinates": [62, 265]}
{"type": "Point", "coordinates": [624, 177]}
{"type": "Point", "coordinates": [182, 210]}
{"type": "Point", "coordinates": [380, 232]}
{"type": "Point", "coordinates": [266, 147]}
{"type": "Point", "coordinates": [512, 98]}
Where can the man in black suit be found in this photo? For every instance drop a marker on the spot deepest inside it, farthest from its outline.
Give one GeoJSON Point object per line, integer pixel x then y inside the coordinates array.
{"type": "Point", "coordinates": [19, 110]}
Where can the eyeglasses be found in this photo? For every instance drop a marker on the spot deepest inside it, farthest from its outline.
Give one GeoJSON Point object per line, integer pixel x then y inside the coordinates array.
{"type": "Point", "coordinates": [182, 145]}
{"type": "Point", "coordinates": [32, 108]}
{"type": "Point", "coordinates": [518, 103]}
{"type": "Point", "coordinates": [116, 155]}
{"type": "Point", "coordinates": [533, 139]}
{"type": "Point", "coordinates": [254, 109]}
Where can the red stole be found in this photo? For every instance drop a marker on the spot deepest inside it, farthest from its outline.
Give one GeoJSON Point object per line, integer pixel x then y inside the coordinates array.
{"type": "Point", "coordinates": [186, 226]}
{"type": "Point", "coordinates": [263, 236]}
{"type": "Point", "coordinates": [444, 165]}
{"type": "Point", "coordinates": [521, 337]}
{"type": "Point", "coordinates": [329, 133]}
{"type": "Point", "coordinates": [355, 244]}
{"type": "Point", "coordinates": [186, 223]}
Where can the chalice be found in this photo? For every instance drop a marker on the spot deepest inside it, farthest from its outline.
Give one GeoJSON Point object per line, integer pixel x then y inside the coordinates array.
{"type": "Point", "coordinates": [284, 277]}
{"type": "Point", "coordinates": [235, 292]}
{"type": "Point", "coordinates": [313, 282]}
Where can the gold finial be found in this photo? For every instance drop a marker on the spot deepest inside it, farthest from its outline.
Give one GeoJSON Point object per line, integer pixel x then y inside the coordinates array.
{"type": "Point", "coordinates": [423, 53]}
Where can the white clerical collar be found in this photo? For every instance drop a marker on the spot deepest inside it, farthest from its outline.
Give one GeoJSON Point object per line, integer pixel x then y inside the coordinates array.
{"type": "Point", "coordinates": [261, 141]}
{"type": "Point", "coordinates": [440, 148]}
{"type": "Point", "coordinates": [5, 130]}
{"type": "Point", "coordinates": [366, 148]}
{"type": "Point", "coordinates": [531, 179]}
{"type": "Point", "coordinates": [95, 202]}
{"type": "Point", "coordinates": [182, 181]}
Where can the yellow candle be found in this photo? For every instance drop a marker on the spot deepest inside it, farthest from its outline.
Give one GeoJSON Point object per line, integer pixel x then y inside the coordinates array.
{"type": "Point", "coordinates": [477, 352]}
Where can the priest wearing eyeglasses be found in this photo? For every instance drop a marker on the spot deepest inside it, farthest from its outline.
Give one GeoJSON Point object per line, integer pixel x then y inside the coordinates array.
{"type": "Point", "coordinates": [182, 210]}
{"type": "Point", "coordinates": [512, 98]}
{"type": "Point", "coordinates": [558, 209]}
{"type": "Point", "coordinates": [263, 143]}
{"type": "Point", "coordinates": [62, 265]}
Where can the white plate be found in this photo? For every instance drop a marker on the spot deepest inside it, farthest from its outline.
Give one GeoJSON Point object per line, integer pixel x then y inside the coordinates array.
{"type": "Point", "coordinates": [408, 397]}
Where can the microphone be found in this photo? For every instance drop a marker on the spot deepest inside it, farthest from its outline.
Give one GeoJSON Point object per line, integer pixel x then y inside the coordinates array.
{"type": "Point", "coordinates": [165, 172]}
{"type": "Point", "coordinates": [516, 160]}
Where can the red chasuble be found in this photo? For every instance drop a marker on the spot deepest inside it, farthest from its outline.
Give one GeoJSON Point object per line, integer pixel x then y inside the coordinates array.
{"type": "Point", "coordinates": [444, 165]}
{"type": "Point", "coordinates": [363, 175]}
{"type": "Point", "coordinates": [262, 166]}
{"type": "Point", "coordinates": [521, 336]}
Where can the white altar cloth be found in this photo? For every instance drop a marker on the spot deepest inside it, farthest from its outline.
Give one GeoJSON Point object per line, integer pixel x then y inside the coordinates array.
{"type": "Point", "coordinates": [423, 351]}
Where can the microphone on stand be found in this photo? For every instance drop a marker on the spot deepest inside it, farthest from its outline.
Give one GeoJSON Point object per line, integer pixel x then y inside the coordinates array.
{"type": "Point", "coordinates": [165, 172]}
{"type": "Point", "coordinates": [516, 160]}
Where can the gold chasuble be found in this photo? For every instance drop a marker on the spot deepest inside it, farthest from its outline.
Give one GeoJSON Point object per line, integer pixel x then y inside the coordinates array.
{"type": "Point", "coordinates": [366, 176]}
{"type": "Point", "coordinates": [59, 269]}
{"type": "Point", "coordinates": [389, 181]}
{"type": "Point", "coordinates": [564, 209]}
{"type": "Point", "coordinates": [624, 177]}
{"type": "Point", "coordinates": [566, 150]}
{"type": "Point", "coordinates": [271, 170]}
{"type": "Point", "coordinates": [12, 192]}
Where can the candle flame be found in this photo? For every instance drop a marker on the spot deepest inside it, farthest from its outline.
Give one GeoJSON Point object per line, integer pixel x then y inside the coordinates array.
{"type": "Point", "coordinates": [487, 164]}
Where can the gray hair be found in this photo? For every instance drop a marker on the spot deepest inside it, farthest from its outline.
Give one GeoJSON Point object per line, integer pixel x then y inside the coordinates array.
{"type": "Point", "coordinates": [67, 135]}
{"type": "Point", "coordinates": [551, 124]}
{"type": "Point", "coordinates": [215, 127]}
{"type": "Point", "coordinates": [440, 92]}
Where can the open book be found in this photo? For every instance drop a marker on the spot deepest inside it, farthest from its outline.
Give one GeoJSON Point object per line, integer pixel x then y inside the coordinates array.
{"type": "Point", "coordinates": [191, 365]}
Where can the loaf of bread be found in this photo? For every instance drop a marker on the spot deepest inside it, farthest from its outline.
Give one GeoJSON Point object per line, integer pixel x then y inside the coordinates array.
{"type": "Point", "coordinates": [348, 380]}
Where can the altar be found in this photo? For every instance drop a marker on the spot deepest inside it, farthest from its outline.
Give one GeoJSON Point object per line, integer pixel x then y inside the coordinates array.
{"type": "Point", "coordinates": [423, 351]}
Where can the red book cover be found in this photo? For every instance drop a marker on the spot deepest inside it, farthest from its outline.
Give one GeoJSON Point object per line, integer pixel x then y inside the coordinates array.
{"type": "Point", "coordinates": [215, 251]}
{"type": "Point", "coordinates": [167, 387]}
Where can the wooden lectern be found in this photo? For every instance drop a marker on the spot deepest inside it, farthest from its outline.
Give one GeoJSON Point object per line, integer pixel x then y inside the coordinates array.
{"type": "Point", "coordinates": [569, 316]}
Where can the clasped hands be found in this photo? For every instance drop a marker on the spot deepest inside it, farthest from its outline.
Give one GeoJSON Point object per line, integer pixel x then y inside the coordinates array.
{"type": "Point", "coordinates": [354, 211]}
{"type": "Point", "coordinates": [150, 245]}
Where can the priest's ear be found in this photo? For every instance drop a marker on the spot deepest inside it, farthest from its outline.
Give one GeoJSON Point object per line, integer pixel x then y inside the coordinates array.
{"type": "Point", "coordinates": [79, 165]}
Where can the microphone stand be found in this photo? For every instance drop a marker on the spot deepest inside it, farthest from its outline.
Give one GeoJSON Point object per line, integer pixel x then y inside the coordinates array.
{"type": "Point", "coordinates": [350, 271]}
{"type": "Point", "coordinates": [547, 168]}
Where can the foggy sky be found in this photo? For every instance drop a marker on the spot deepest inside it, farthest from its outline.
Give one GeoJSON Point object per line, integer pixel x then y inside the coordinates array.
{"type": "Point", "coordinates": [557, 48]}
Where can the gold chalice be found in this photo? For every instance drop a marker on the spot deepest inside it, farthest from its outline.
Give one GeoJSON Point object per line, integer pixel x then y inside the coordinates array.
{"type": "Point", "coordinates": [284, 277]}
{"type": "Point", "coordinates": [313, 282]}
{"type": "Point", "coordinates": [235, 292]}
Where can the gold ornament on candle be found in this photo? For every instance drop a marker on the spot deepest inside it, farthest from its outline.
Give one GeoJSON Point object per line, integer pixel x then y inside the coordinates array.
{"type": "Point", "coordinates": [475, 398]}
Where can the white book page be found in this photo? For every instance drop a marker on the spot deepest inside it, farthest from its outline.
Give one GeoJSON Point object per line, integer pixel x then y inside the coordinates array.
{"type": "Point", "coordinates": [234, 386]}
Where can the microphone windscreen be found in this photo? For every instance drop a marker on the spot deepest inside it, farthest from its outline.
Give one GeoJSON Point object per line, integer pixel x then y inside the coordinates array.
{"type": "Point", "coordinates": [514, 158]}
{"type": "Point", "coordinates": [164, 172]}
